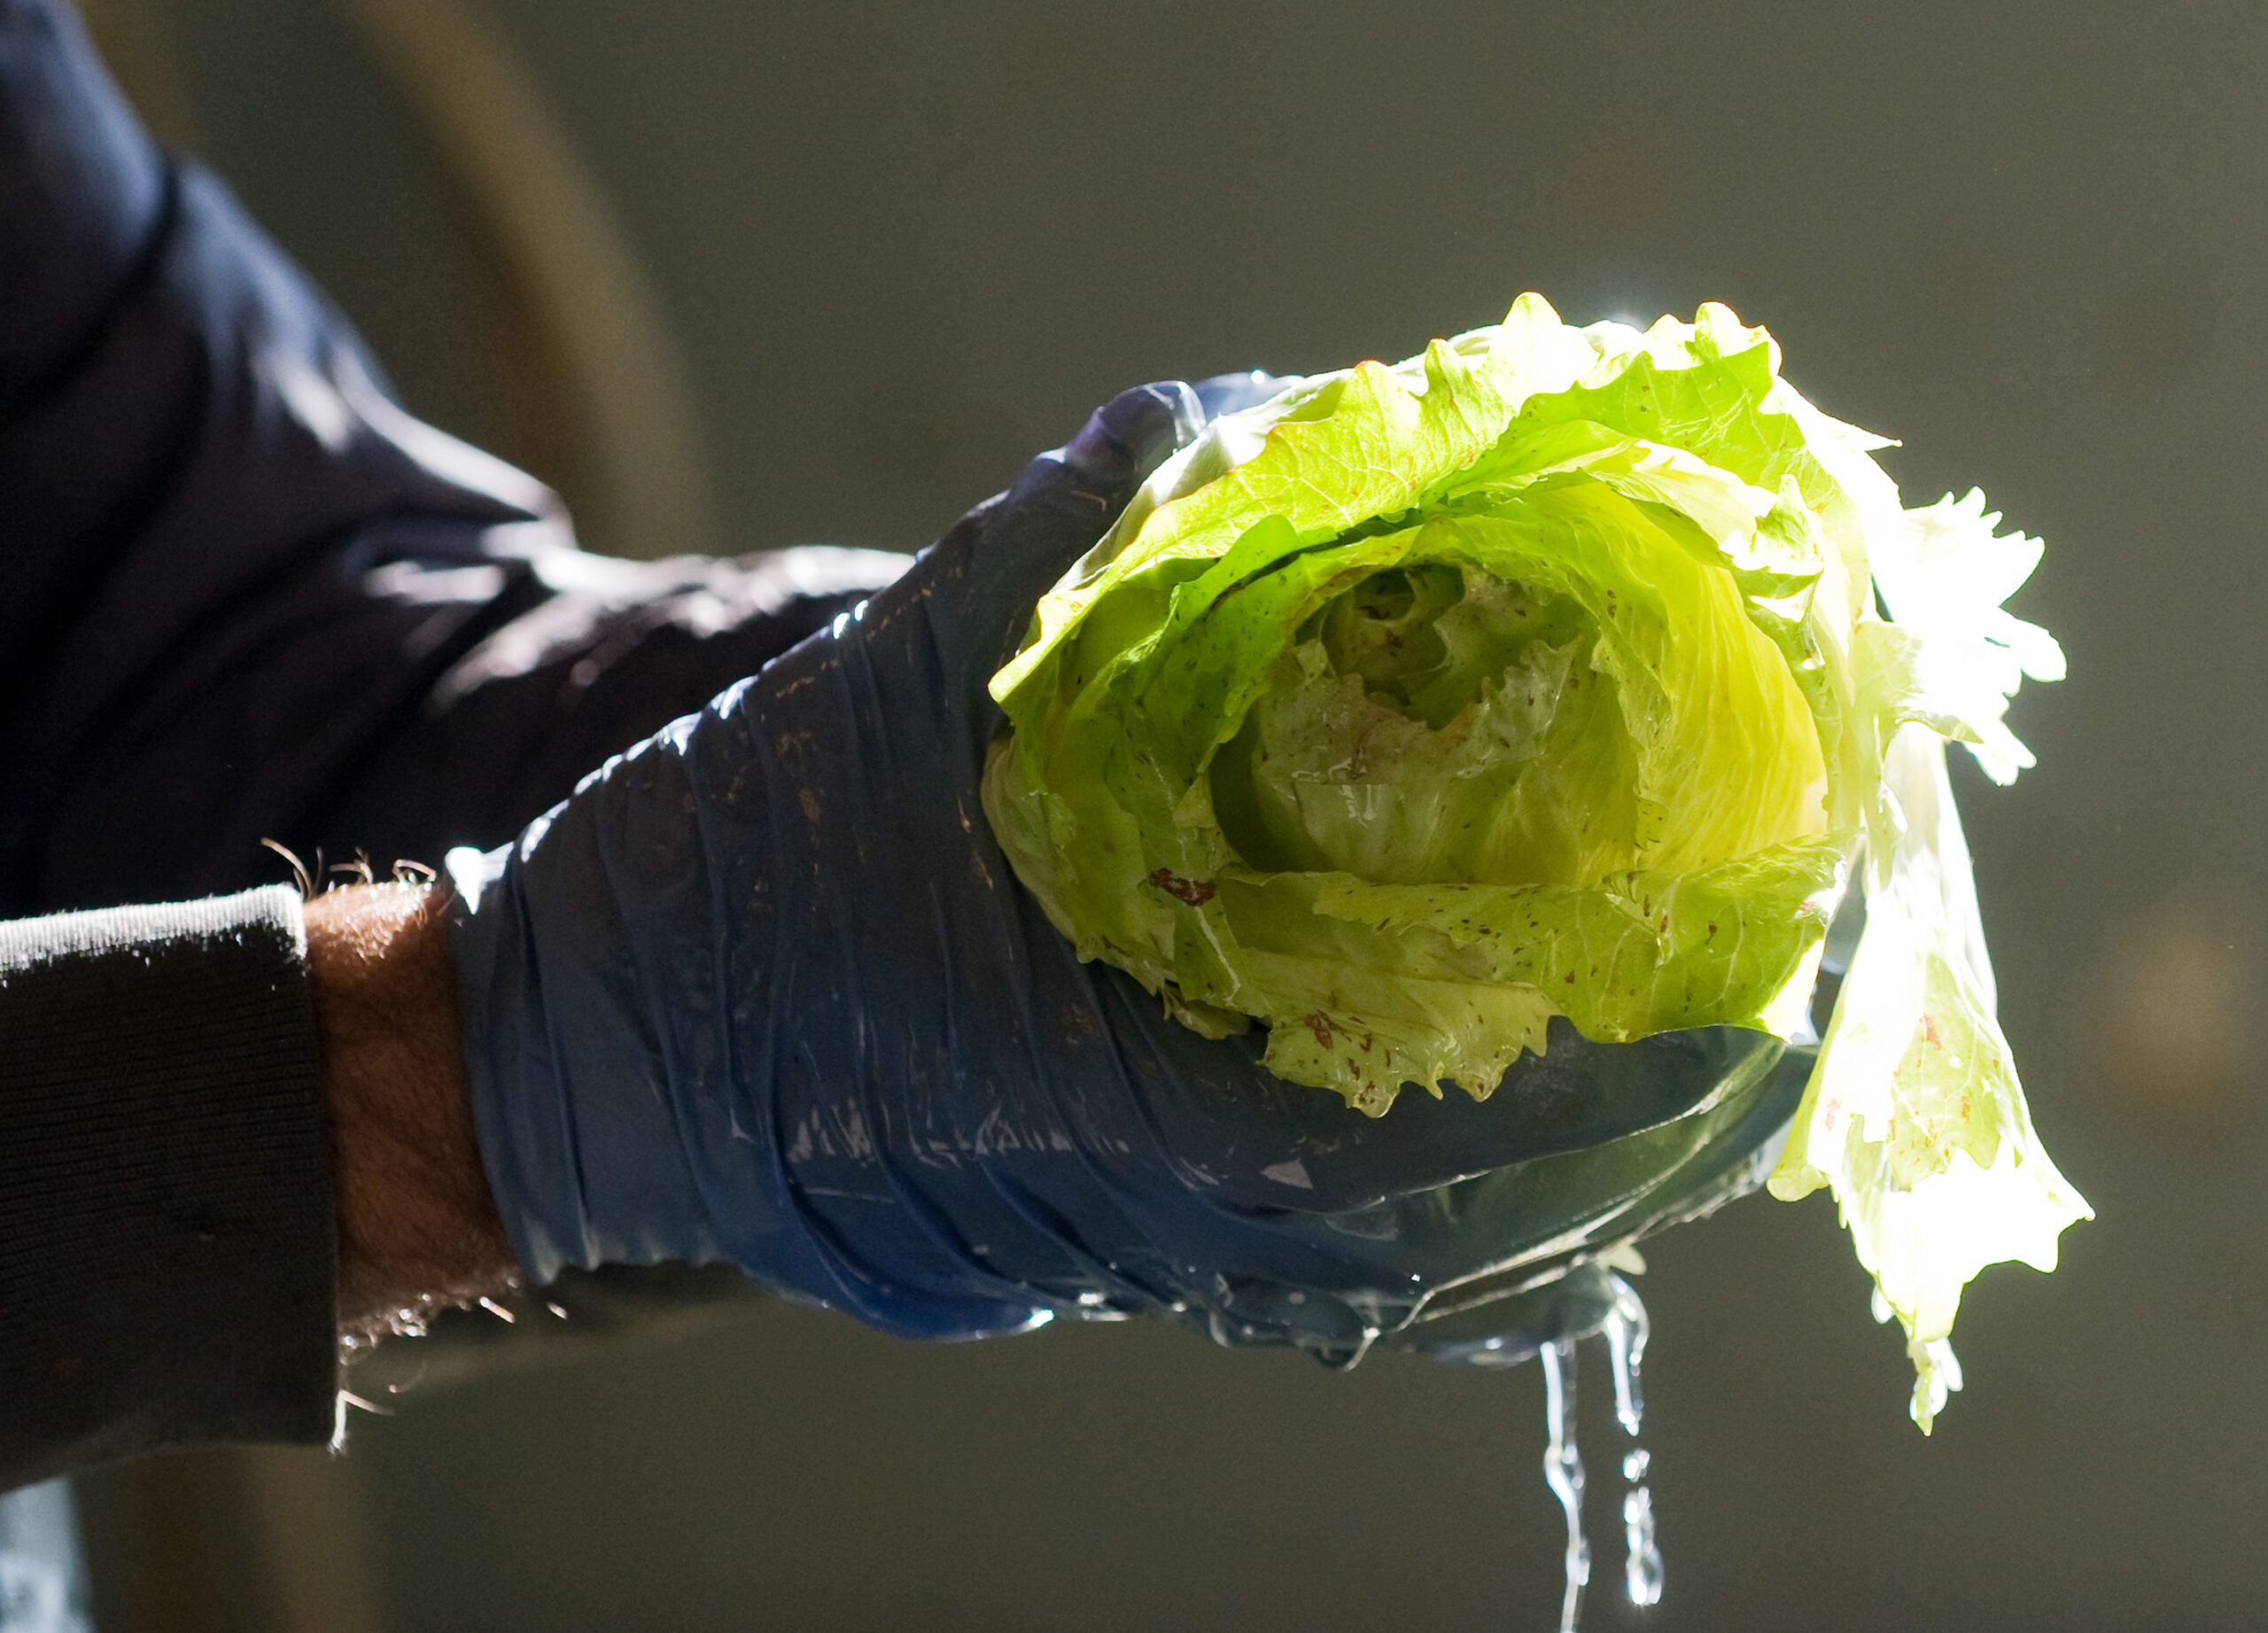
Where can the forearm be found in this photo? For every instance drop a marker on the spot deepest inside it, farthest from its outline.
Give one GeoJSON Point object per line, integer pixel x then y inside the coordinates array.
{"type": "Point", "coordinates": [226, 1147]}
{"type": "Point", "coordinates": [247, 596]}
{"type": "Point", "coordinates": [416, 1228]}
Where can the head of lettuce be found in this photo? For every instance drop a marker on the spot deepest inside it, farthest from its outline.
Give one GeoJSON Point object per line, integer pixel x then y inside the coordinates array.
{"type": "Point", "coordinates": [1548, 673]}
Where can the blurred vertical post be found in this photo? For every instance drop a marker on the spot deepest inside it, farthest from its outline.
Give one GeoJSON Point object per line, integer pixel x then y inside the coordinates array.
{"type": "Point", "coordinates": [593, 387]}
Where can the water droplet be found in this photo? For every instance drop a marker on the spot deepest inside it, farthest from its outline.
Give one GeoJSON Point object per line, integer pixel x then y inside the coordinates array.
{"type": "Point", "coordinates": [1627, 1330]}
{"type": "Point", "coordinates": [1641, 1564]}
{"type": "Point", "coordinates": [1634, 1466]}
{"type": "Point", "coordinates": [1562, 1469]}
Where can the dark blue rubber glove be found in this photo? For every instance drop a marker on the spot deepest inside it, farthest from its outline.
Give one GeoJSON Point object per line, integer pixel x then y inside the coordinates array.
{"type": "Point", "coordinates": [764, 991]}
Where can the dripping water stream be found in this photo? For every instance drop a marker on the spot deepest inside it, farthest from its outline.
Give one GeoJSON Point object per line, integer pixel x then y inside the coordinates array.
{"type": "Point", "coordinates": [1626, 1328]}
{"type": "Point", "coordinates": [1562, 1469]}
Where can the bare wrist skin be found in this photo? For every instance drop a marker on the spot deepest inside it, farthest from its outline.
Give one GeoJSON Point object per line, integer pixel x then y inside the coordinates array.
{"type": "Point", "coordinates": [417, 1229]}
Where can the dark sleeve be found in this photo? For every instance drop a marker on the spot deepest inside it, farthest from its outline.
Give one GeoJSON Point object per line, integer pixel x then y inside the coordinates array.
{"type": "Point", "coordinates": [245, 595]}
{"type": "Point", "coordinates": [167, 1259]}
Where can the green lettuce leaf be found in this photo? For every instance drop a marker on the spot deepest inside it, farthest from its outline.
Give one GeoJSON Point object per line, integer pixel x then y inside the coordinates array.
{"type": "Point", "coordinates": [1460, 625]}
{"type": "Point", "coordinates": [1914, 1114]}
{"type": "Point", "coordinates": [1542, 675]}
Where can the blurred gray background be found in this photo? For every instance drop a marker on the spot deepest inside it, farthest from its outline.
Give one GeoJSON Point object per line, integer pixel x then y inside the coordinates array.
{"type": "Point", "coordinates": [736, 275]}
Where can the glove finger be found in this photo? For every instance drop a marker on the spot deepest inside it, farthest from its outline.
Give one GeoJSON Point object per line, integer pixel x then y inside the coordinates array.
{"type": "Point", "coordinates": [1125, 440]}
{"type": "Point", "coordinates": [993, 567]}
{"type": "Point", "coordinates": [1577, 1096]}
{"type": "Point", "coordinates": [1262, 1142]}
{"type": "Point", "coordinates": [1233, 393]}
{"type": "Point", "coordinates": [1462, 1259]}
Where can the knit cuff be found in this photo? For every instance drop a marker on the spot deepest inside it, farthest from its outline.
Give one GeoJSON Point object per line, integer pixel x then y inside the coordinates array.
{"type": "Point", "coordinates": [168, 1259]}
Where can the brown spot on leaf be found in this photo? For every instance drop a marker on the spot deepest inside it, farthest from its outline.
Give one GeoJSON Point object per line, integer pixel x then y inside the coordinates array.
{"type": "Point", "coordinates": [1195, 892]}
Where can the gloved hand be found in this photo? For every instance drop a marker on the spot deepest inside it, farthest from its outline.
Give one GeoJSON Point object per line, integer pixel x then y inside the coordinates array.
{"type": "Point", "coordinates": [764, 991]}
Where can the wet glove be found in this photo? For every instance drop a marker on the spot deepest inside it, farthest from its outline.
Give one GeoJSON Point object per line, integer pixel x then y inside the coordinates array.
{"type": "Point", "coordinates": [764, 991]}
